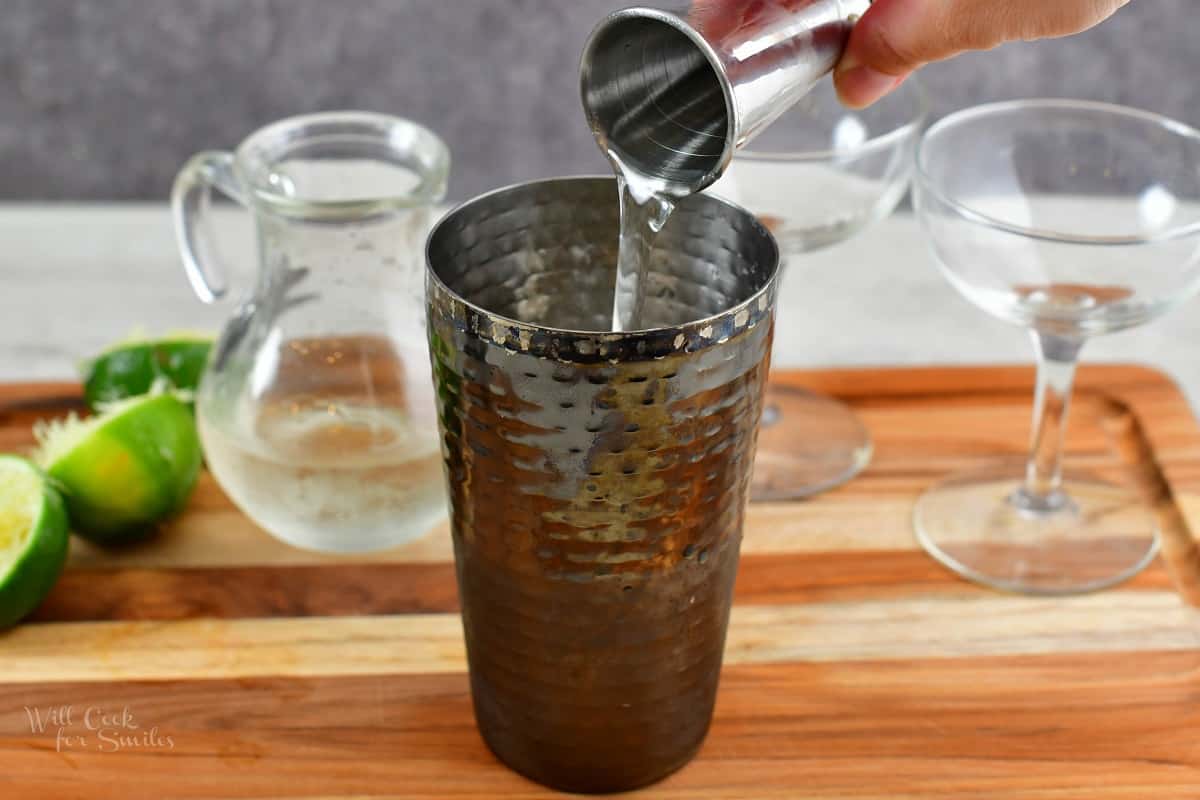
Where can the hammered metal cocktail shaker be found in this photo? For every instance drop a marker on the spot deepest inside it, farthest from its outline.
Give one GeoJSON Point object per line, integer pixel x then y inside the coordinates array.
{"type": "Point", "coordinates": [675, 92]}
{"type": "Point", "coordinates": [597, 480]}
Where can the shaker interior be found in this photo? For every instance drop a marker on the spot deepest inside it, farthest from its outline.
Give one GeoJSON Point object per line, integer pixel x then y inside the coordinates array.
{"type": "Point", "coordinates": [651, 94]}
{"type": "Point", "coordinates": [545, 254]}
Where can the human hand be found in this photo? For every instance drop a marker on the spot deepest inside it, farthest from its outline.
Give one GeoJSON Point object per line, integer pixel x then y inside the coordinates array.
{"type": "Point", "coordinates": [895, 37]}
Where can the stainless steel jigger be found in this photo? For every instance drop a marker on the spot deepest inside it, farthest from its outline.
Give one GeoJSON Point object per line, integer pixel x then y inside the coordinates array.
{"type": "Point", "coordinates": [675, 92]}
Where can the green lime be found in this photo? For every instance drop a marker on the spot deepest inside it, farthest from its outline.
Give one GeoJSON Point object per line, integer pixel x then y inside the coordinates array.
{"type": "Point", "coordinates": [134, 367]}
{"type": "Point", "coordinates": [124, 470]}
{"type": "Point", "coordinates": [33, 538]}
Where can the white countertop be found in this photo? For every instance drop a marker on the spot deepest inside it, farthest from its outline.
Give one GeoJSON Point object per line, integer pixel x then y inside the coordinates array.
{"type": "Point", "coordinates": [74, 278]}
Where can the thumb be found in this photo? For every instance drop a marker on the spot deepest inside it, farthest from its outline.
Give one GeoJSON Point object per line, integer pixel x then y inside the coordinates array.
{"type": "Point", "coordinates": [896, 37]}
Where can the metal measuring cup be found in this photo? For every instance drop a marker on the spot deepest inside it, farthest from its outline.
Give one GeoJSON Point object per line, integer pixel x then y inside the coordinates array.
{"type": "Point", "coordinates": [675, 91]}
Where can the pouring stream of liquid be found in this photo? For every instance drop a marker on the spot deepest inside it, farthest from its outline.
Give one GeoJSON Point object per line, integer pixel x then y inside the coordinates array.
{"type": "Point", "coordinates": [646, 205]}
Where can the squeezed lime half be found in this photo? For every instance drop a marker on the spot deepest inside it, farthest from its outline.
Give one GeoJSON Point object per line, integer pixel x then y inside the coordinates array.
{"type": "Point", "coordinates": [125, 470]}
{"type": "Point", "coordinates": [33, 538]}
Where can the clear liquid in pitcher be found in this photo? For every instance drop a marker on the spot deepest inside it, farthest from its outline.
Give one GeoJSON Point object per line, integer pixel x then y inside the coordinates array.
{"type": "Point", "coordinates": [325, 469]}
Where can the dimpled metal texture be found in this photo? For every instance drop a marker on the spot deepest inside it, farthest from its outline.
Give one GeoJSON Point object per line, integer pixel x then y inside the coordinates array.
{"type": "Point", "coordinates": [597, 480]}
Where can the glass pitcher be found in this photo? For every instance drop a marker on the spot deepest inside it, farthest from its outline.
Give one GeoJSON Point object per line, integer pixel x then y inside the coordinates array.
{"type": "Point", "coordinates": [316, 409]}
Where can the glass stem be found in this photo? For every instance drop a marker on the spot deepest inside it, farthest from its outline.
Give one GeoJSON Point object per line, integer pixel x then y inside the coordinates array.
{"type": "Point", "coordinates": [1057, 358]}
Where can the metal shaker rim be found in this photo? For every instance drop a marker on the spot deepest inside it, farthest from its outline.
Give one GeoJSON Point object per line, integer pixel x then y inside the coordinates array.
{"type": "Point", "coordinates": [590, 346]}
{"type": "Point", "coordinates": [715, 62]}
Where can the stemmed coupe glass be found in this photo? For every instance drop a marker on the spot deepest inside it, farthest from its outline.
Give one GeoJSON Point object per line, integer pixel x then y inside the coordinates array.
{"type": "Point", "coordinates": [817, 176]}
{"type": "Point", "coordinates": [1071, 219]}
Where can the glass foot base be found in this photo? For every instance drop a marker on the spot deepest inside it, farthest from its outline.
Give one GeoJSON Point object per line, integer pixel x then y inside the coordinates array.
{"type": "Point", "coordinates": [1093, 535]}
{"type": "Point", "coordinates": [807, 443]}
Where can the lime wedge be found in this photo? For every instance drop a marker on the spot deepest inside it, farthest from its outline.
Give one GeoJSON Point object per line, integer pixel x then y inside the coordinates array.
{"type": "Point", "coordinates": [33, 538]}
{"type": "Point", "coordinates": [123, 471]}
{"type": "Point", "coordinates": [133, 367]}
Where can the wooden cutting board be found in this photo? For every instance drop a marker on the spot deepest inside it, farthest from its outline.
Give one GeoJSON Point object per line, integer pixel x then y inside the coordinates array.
{"type": "Point", "coordinates": [216, 662]}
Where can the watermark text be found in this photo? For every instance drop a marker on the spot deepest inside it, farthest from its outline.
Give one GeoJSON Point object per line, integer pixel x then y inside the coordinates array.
{"type": "Point", "coordinates": [95, 728]}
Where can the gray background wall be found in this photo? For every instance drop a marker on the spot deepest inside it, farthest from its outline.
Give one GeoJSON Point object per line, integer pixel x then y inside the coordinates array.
{"type": "Point", "coordinates": [103, 99]}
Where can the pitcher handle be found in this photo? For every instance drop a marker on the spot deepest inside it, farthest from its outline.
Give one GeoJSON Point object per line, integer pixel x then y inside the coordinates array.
{"type": "Point", "coordinates": [191, 197]}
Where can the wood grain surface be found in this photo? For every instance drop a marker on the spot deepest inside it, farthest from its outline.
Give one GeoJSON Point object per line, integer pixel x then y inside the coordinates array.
{"type": "Point", "coordinates": [216, 662]}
